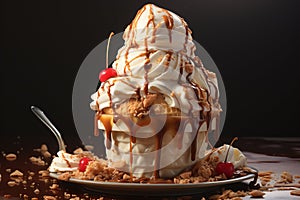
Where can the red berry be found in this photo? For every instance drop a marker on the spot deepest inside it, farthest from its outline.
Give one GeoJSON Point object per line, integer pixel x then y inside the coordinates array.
{"type": "Point", "coordinates": [83, 163]}
{"type": "Point", "coordinates": [225, 167]}
{"type": "Point", "coordinates": [107, 73]}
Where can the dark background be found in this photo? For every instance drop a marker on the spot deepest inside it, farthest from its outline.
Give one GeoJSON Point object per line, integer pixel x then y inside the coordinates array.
{"type": "Point", "coordinates": [254, 43]}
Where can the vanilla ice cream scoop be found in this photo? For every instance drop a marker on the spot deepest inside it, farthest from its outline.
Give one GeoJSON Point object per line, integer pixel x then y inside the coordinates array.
{"type": "Point", "coordinates": [64, 162]}
{"type": "Point", "coordinates": [235, 156]}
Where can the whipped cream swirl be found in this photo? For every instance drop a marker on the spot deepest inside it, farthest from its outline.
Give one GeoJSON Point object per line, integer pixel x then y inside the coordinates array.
{"type": "Point", "coordinates": [158, 46]}
{"type": "Point", "coordinates": [64, 162]}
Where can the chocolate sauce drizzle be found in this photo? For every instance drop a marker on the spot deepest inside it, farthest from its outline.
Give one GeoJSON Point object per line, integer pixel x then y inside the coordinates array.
{"type": "Point", "coordinates": [196, 121]}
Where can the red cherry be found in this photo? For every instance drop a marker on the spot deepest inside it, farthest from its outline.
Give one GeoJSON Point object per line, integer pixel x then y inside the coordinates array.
{"type": "Point", "coordinates": [83, 163]}
{"type": "Point", "coordinates": [107, 73]}
{"type": "Point", "coordinates": [225, 167]}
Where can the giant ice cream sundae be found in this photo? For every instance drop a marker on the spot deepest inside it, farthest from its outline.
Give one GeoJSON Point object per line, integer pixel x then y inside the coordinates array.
{"type": "Point", "coordinates": [160, 103]}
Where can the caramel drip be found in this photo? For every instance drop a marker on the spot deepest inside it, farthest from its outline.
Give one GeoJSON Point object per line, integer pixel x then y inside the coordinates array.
{"type": "Point", "coordinates": [138, 92]}
{"type": "Point", "coordinates": [192, 121]}
{"type": "Point", "coordinates": [132, 43]}
{"type": "Point", "coordinates": [127, 83]}
{"type": "Point", "coordinates": [68, 163]}
{"type": "Point", "coordinates": [186, 34]}
{"type": "Point", "coordinates": [180, 132]}
{"type": "Point", "coordinates": [194, 143]}
{"type": "Point", "coordinates": [151, 20]}
{"type": "Point", "coordinates": [96, 128]}
{"type": "Point", "coordinates": [107, 123]}
{"type": "Point", "coordinates": [168, 59]}
{"type": "Point", "coordinates": [193, 48]}
{"type": "Point", "coordinates": [130, 160]}
{"type": "Point", "coordinates": [147, 67]}
{"type": "Point", "coordinates": [132, 130]}
{"type": "Point", "coordinates": [204, 116]}
{"type": "Point", "coordinates": [168, 19]}
{"type": "Point", "coordinates": [159, 139]}
{"type": "Point", "coordinates": [109, 93]}
{"type": "Point", "coordinates": [127, 63]}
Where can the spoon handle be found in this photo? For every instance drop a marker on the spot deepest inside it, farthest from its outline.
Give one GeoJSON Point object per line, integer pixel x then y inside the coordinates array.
{"type": "Point", "coordinates": [40, 114]}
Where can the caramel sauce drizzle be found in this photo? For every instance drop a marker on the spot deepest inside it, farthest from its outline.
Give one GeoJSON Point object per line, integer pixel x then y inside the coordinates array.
{"type": "Point", "coordinates": [168, 18]}
{"type": "Point", "coordinates": [64, 158]}
{"type": "Point", "coordinates": [96, 128]}
{"type": "Point", "coordinates": [168, 59]}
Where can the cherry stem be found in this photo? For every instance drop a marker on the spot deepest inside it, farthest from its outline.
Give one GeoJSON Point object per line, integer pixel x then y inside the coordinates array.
{"type": "Point", "coordinates": [234, 139]}
{"type": "Point", "coordinates": [107, 47]}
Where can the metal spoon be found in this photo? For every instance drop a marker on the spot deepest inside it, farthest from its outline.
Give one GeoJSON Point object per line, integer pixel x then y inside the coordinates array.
{"type": "Point", "coordinates": [40, 114]}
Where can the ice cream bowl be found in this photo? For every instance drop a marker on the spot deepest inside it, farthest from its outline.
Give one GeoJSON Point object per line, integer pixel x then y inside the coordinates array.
{"type": "Point", "coordinates": [156, 145]}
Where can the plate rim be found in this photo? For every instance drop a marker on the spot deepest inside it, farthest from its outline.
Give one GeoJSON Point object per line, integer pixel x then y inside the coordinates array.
{"type": "Point", "coordinates": [105, 184]}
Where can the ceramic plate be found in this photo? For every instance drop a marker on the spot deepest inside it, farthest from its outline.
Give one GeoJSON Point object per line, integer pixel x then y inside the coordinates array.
{"type": "Point", "coordinates": [164, 189]}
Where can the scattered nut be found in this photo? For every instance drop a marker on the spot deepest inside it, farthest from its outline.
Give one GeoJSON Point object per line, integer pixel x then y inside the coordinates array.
{"type": "Point", "coordinates": [16, 173]}
{"type": "Point", "coordinates": [256, 193]}
{"type": "Point", "coordinates": [126, 177]}
{"type": "Point", "coordinates": [64, 176]}
{"type": "Point", "coordinates": [44, 173]}
{"type": "Point", "coordinates": [11, 183]}
{"type": "Point", "coordinates": [44, 147]}
{"type": "Point", "coordinates": [46, 197]}
{"type": "Point", "coordinates": [286, 176]}
{"type": "Point", "coordinates": [265, 173]}
{"type": "Point", "coordinates": [37, 161]}
{"type": "Point", "coordinates": [36, 191]}
{"type": "Point", "coordinates": [54, 186]}
{"type": "Point", "coordinates": [295, 192]}
{"type": "Point", "coordinates": [31, 173]}
{"type": "Point", "coordinates": [67, 195]}
{"type": "Point", "coordinates": [11, 157]}
{"type": "Point", "coordinates": [46, 154]}
{"type": "Point", "coordinates": [186, 174]}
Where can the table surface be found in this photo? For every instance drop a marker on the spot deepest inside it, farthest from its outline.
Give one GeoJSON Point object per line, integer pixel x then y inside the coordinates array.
{"type": "Point", "coordinates": [265, 154]}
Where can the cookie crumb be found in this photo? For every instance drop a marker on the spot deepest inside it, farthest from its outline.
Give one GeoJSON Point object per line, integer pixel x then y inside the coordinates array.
{"type": "Point", "coordinates": [47, 197]}
{"type": "Point", "coordinates": [36, 191]}
{"type": "Point", "coordinates": [54, 186]}
{"type": "Point", "coordinates": [37, 161]}
{"type": "Point", "coordinates": [11, 157]}
{"type": "Point", "coordinates": [64, 176]}
{"type": "Point", "coordinates": [11, 183]}
{"type": "Point", "coordinates": [295, 192]}
{"type": "Point", "coordinates": [16, 173]}
{"type": "Point", "coordinates": [256, 193]}
{"type": "Point", "coordinates": [44, 147]}
{"type": "Point", "coordinates": [287, 177]}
